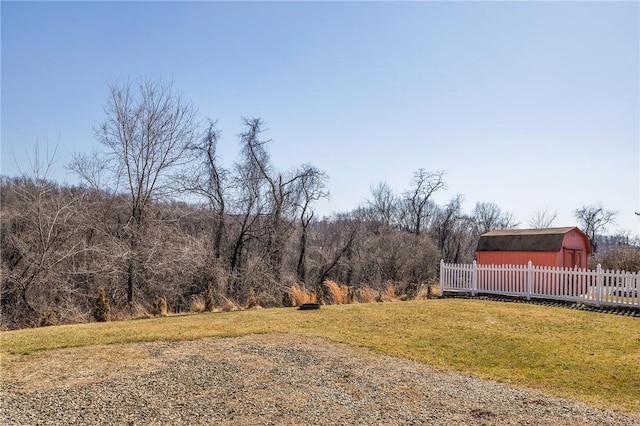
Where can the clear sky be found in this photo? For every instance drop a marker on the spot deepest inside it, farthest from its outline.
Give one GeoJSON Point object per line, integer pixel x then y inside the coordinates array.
{"type": "Point", "coordinates": [525, 104]}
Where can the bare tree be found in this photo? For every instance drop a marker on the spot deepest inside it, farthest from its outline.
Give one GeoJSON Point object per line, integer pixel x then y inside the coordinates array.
{"type": "Point", "coordinates": [312, 187]}
{"type": "Point", "coordinates": [147, 131]}
{"type": "Point", "coordinates": [210, 180]}
{"type": "Point", "coordinates": [446, 224]}
{"type": "Point", "coordinates": [282, 191]}
{"type": "Point", "coordinates": [594, 219]}
{"type": "Point", "coordinates": [382, 206]}
{"type": "Point", "coordinates": [542, 218]}
{"type": "Point", "coordinates": [40, 236]}
{"type": "Point", "coordinates": [489, 217]}
{"type": "Point", "coordinates": [424, 185]}
{"type": "Point", "coordinates": [247, 208]}
{"type": "Point", "coordinates": [337, 246]}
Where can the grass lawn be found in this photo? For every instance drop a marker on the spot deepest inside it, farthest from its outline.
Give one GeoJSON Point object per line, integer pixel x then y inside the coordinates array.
{"type": "Point", "coordinates": [581, 355]}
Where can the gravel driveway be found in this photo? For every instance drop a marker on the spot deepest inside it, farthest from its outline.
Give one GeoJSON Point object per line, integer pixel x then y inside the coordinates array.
{"type": "Point", "coordinates": [285, 380]}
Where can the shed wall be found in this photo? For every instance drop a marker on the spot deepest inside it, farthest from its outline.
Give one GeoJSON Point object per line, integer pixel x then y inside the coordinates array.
{"type": "Point", "coordinates": [574, 240]}
{"type": "Point", "coordinates": [519, 258]}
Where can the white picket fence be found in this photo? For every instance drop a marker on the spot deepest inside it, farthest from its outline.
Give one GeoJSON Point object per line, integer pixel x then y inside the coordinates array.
{"type": "Point", "coordinates": [598, 287]}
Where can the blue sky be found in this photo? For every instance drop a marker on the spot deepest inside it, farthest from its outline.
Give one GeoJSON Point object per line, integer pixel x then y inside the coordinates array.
{"type": "Point", "coordinates": [525, 104]}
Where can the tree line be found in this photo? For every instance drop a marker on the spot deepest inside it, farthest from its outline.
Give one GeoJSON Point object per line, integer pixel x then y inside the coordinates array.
{"type": "Point", "coordinates": [158, 215]}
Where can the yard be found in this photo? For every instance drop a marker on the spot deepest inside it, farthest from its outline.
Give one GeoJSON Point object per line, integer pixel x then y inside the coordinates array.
{"type": "Point", "coordinates": [581, 356]}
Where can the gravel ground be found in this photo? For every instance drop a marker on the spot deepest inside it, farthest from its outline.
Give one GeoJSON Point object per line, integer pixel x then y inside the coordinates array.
{"type": "Point", "coordinates": [286, 380]}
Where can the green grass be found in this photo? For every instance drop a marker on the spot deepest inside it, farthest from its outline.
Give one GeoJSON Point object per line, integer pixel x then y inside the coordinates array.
{"type": "Point", "coordinates": [581, 355]}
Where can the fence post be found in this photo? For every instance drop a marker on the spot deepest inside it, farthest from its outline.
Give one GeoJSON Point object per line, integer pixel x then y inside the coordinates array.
{"type": "Point", "coordinates": [474, 278]}
{"type": "Point", "coordinates": [441, 277]}
{"type": "Point", "coordinates": [599, 284]}
{"type": "Point", "coordinates": [529, 279]}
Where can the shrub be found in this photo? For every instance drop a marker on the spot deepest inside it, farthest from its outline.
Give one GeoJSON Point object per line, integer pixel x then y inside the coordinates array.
{"type": "Point", "coordinates": [320, 294]}
{"type": "Point", "coordinates": [288, 300]}
{"type": "Point", "coordinates": [252, 300]}
{"type": "Point", "coordinates": [430, 293]}
{"type": "Point", "coordinates": [102, 312]}
{"type": "Point", "coordinates": [48, 318]}
{"type": "Point", "coordinates": [622, 259]}
{"type": "Point", "coordinates": [411, 291]}
{"type": "Point", "coordinates": [160, 306]}
{"type": "Point", "coordinates": [209, 299]}
{"type": "Point", "coordinates": [351, 295]}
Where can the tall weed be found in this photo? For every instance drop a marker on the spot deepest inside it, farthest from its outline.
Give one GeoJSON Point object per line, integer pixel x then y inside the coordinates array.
{"type": "Point", "coordinates": [339, 293]}
{"type": "Point", "coordinates": [302, 295]}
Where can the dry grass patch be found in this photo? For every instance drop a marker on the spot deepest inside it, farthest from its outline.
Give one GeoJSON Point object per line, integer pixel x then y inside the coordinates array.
{"type": "Point", "coordinates": [389, 293]}
{"type": "Point", "coordinates": [198, 305]}
{"type": "Point", "coordinates": [302, 295]}
{"type": "Point", "coordinates": [160, 306]}
{"type": "Point", "coordinates": [229, 306]}
{"type": "Point", "coordinates": [428, 291]}
{"type": "Point", "coordinates": [339, 293]}
{"type": "Point", "coordinates": [366, 295]}
{"type": "Point", "coordinates": [90, 364]}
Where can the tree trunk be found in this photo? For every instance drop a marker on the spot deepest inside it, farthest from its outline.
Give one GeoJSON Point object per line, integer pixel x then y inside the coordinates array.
{"type": "Point", "coordinates": [217, 243]}
{"type": "Point", "coordinates": [302, 269]}
{"type": "Point", "coordinates": [130, 281]}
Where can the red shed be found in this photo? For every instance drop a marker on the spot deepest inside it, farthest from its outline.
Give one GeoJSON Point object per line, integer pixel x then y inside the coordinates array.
{"type": "Point", "coordinates": [557, 247]}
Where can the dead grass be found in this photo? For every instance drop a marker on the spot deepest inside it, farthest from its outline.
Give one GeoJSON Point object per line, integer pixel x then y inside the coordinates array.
{"type": "Point", "coordinates": [252, 300]}
{"type": "Point", "coordinates": [133, 312]}
{"type": "Point", "coordinates": [581, 355]}
{"type": "Point", "coordinates": [389, 293]}
{"type": "Point", "coordinates": [197, 305]}
{"type": "Point", "coordinates": [302, 295]}
{"type": "Point", "coordinates": [160, 306]}
{"type": "Point", "coordinates": [428, 291]}
{"type": "Point", "coordinates": [91, 364]}
{"type": "Point", "coordinates": [339, 293]}
{"type": "Point", "coordinates": [366, 295]}
{"type": "Point", "coordinates": [229, 306]}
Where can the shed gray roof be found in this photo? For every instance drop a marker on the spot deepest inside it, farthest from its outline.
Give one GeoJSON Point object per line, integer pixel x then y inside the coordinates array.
{"type": "Point", "coordinates": [547, 239]}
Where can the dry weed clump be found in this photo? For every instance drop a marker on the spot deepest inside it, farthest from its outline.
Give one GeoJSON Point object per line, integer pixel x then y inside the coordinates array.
{"type": "Point", "coordinates": [49, 318]}
{"type": "Point", "coordinates": [302, 295]}
{"type": "Point", "coordinates": [197, 305]}
{"type": "Point", "coordinates": [320, 294]}
{"type": "Point", "coordinates": [429, 290]}
{"type": "Point", "coordinates": [366, 295]}
{"type": "Point", "coordinates": [102, 312]}
{"type": "Point", "coordinates": [209, 299]}
{"type": "Point", "coordinates": [351, 295]}
{"type": "Point", "coordinates": [411, 291]}
{"type": "Point", "coordinates": [341, 294]}
{"type": "Point", "coordinates": [252, 300]}
{"type": "Point", "coordinates": [130, 311]}
{"type": "Point", "coordinates": [160, 306]}
{"type": "Point", "coordinates": [228, 306]}
{"type": "Point", "coordinates": [288, 300]}
{"type": "Point", "coordinates": [138, 311]}
{"type": "Point", "coordinates": [73, 315]}
{"type": "Point", "coordinates": [389, 293]}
